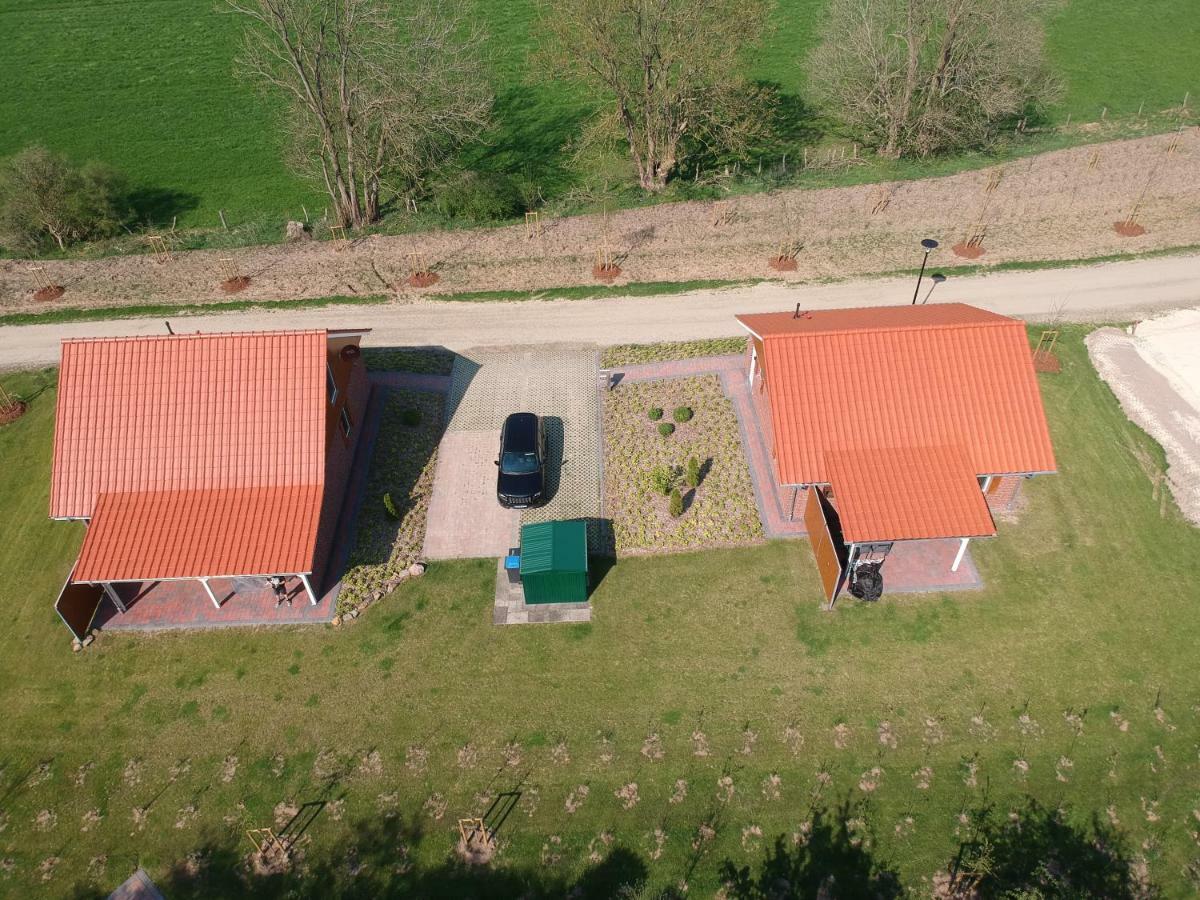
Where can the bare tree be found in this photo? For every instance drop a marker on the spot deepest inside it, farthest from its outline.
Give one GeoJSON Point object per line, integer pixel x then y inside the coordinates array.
{"type": "Point", "coordinates": [669, 70]}
{"type": "Point", "coordinates": [376, 100]}
{"type": "Point", "coordinates": [914, 77]}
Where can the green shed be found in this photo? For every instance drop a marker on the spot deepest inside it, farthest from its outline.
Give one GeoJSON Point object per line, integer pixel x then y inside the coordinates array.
{"type": "Point", "coordinates": [554, 565]}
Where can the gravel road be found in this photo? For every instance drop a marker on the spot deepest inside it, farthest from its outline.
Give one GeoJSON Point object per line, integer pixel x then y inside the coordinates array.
{"type": "Point", "coordinates": [1108, 292]}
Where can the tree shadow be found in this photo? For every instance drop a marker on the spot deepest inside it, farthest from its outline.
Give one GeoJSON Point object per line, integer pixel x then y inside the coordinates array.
{"type": "Point", "coordinates": [529, 142]}
{"type": "Point", "coordinates": [830, 861]}
{"type": "Point", "coordinates": [159, 205]}
{"type": "Point", "coordinates": [378, 860]}
{"type": "Point", "coordinates": [789, 125]}
{"type": "Point", "coordinates": [1037, 852]}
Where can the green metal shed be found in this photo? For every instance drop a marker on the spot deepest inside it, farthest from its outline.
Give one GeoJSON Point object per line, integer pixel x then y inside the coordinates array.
{"type": "Point", "coordinates": [554, 565]}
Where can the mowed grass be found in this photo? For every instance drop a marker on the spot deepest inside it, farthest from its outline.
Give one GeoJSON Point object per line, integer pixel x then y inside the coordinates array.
{"type": "Point", "coordinates": [150, 88]}
{"type": "Point", "coordinates": [179, 742]}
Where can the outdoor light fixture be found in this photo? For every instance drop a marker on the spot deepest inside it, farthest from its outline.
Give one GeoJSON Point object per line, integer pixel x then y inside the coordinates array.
{"type": "Point", "coordinates": [929, 245]}
{"type": "Point", "coordinates": [937, 278]}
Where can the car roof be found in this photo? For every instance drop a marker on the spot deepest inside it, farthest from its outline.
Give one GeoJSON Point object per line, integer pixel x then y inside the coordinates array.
{"type": "Point", "coordinates": [520, 431]}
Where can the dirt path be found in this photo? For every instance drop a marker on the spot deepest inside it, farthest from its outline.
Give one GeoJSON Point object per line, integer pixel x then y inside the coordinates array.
{"type": "Point", "coordinates": [1155, 374]}
{"type": "Point", "coordinates": [1059, 205]}
{"type": "Point", "coordinates": [1109, 292]}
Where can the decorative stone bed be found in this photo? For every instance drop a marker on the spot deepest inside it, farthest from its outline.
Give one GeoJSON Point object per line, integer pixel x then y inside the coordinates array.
{"type": "Point", "coordinates": [387, 546]}
{"type": "Point", "coordinates": [720, 512]}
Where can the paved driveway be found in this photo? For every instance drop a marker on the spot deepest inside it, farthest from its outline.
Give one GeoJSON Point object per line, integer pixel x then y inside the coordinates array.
{"type": "Point", "coordinates": [556, 381]}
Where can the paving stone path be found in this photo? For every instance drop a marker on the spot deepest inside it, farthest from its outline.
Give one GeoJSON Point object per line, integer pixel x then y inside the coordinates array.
{"type": "Point", "coordinates": [556, 381]}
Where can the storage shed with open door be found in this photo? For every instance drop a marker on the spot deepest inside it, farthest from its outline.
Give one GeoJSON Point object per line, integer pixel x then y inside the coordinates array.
{"type": "Point", "coordinates": [554, 563]}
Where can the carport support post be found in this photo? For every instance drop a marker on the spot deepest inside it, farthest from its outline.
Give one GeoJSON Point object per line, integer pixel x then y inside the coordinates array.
{"type": "Point", "coordinates": [211, 595]}
{"type": "Point", "coordinates": [753, 364]}
{"type": "Point", "coordinates": [312, 595]}
{"type": "Point", "coordinates": [962, 549]}
{"type": "Point", "coordinates": [112, 595]}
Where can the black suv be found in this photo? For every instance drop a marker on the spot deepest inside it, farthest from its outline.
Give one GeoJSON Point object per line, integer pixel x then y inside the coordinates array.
{"type": "Point", "coordinates": [521, 481]}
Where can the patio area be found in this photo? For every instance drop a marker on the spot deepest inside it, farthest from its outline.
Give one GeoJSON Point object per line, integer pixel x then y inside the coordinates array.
{"type": "Point", "coordinates": [184, 604]}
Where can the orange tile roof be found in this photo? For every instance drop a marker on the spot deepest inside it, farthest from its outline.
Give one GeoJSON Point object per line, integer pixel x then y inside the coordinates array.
{"type": "Point", "coordinates": [192, 534]}
{"type": "Point", "coordinates": [192, 443]}
{"type": "Point", "coordinates": [907, 493]}
{"type": "Point", "coordinates": [903, 376]}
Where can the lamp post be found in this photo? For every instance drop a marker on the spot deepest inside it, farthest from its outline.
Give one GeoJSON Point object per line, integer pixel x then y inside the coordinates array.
{"type": "Point", "coordinates": [937, 278]}
{"type": "Point", "coordinates": [930, 245]}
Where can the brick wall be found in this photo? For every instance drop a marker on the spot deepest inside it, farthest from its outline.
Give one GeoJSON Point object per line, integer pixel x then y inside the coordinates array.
{"type": "Point", "coordinates": [1003, 493]}
{"type": "Point", "coordinates": [339, 459]}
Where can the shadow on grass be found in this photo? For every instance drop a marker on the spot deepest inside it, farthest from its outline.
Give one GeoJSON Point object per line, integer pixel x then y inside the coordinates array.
{"type": "Point", "coordinates": [831, 861]}
{"type": "Point", "coordinates": [1037, 854]}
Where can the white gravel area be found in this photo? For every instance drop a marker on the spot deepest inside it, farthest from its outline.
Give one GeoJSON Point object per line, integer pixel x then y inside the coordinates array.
{"type": "Point", "coordinates": [1154, 369]}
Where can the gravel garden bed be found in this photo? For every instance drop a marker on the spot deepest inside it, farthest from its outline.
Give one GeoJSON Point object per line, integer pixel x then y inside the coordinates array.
{"type": "Point", "coordinates": [637, 354]}
{"type": "Point", "coordinates": [720, 511]}
{"type": "Point", "coordinates": [402, 466]}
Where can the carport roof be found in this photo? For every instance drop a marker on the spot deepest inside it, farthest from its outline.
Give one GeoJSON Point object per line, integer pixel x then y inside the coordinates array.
{"type": "Point", "coordinates": [907, 493]}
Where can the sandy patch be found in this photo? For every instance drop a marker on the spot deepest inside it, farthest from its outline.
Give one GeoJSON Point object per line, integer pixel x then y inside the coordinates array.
{"type": "Point", "coordinates": [1155, 373]}
{"type": "Point", "coordinates": [680, 792]}
{"type": "Point", "coordinates": [229, 769]}
{"type": "Point", "coordinates": [628, 795]}
{"type": "Point", "coordinates": [652, 747]}
{"type": "Point", "coordinates": [576, 798]}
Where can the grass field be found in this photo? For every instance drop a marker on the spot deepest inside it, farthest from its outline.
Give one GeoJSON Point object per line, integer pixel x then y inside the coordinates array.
{"type": "Point", "coordinates": [149, 87]}
{"type": "Point", "coordinates": [871, 743]}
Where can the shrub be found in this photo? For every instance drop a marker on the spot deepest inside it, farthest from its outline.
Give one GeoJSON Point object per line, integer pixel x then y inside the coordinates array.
{"type": "Point", "coordinates": [479, 197]}
{"type": "Point", "coordinates": [682, 414]}
{"type": "Point", "coordinates": [411, 417]}
{"type": "Point", "coordinates": [692, 477]}
{"type": "Point", "coordinates": [44, 197]}
{"type": "Point", "coordinates": [390, 506]}
{"type": "Point", "coordinates": [666, 429]}
{"type": "Point", "coordinates": [655, 413]}
{"type": "Point", "coordinates": [676, 503]}
{"type": "Point", "coordinates": [664, 479]}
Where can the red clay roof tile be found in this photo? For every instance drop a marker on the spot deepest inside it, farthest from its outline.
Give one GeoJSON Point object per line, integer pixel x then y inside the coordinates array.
{"type": "Point", "coordinates": [192, 454]}
{"type": "Point", "coordinates": [907, 493]}
{"type": "Point", "coordinates": [922, 376]}
{"type": "Point", "coordinates": [858, 397]}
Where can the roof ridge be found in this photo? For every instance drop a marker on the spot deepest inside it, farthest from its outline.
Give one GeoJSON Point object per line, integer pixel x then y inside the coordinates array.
{"type": "Point", "coordinates": [1002, 322]}
{"type": "Point", "coordinates": [112, 339]}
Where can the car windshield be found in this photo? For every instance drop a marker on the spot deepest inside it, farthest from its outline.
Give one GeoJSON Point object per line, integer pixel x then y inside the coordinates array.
{"type": "Point", "coordinates": [515, 463]}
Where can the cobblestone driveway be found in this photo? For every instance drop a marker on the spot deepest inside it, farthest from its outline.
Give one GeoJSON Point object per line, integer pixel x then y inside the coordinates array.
{"type": "Point", "coordinates": [556, 381]}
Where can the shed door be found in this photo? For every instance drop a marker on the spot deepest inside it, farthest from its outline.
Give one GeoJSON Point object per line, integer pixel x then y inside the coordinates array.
{"type": "Point", "coordinates": [825, 537]}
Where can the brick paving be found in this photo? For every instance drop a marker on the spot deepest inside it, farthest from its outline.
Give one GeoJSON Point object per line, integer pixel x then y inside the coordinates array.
{"type": "Point", "coordinates": [153, 606]}
{"type": "Point", "coordinates": [511, 609]}
{"type": "Point", "coordinates": [486, 384]}
{"type": "Point", "coordinates": [911, 567]}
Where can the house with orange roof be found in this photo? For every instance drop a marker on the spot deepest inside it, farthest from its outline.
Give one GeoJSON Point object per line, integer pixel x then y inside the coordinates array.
{"type": "Point", "coordinates": [203, 458]}
{"type": "Point", "coordinates": [897, 423]}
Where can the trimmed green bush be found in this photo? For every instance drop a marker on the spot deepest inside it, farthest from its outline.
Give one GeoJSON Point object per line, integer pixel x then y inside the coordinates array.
{"type": "Point", "coordinates": [390, 506]}
{"type": "Point", "coordinates": [479, 197]}
{"type": "Point", "coordinates": [411, 417]}
{"type": "Point", "coordinates": [682, 414]}
{"type": "Point", "coordinates": [676, 503]}
{"type": "Point", "coordinates": [655, 413]}
{"type": "Point", "coordinates": [692, 476]}
{"type": "Point", "coordinates": [663, 479]}
{"type": "Point", "coordinates": [666, 429]}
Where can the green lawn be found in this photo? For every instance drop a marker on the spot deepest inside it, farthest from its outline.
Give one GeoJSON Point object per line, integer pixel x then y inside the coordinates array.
{"type": "Point", "coordinates": [149, 87]}
{"type": "Point", "coordinates": [179, 742]}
